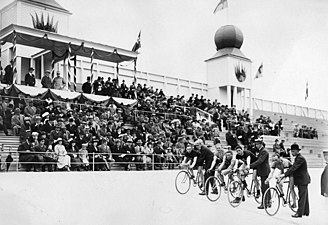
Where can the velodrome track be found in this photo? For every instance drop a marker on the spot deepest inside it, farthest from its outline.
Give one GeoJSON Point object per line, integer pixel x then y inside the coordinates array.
{"type": "Point", "coordinates": [131, 198]}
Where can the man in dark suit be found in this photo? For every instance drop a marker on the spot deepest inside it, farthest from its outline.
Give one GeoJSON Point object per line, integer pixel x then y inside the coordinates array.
{"type": "Point", "coordinates": [9, 73]}
{"type": "Point", "coordinates": [261, 165]}
{"type": "Point", "coordinates": [86, 87]}
{"type": "Point", "coordinates": [30, 78]}
{"type": "Point", "coordinates": [301, 180]}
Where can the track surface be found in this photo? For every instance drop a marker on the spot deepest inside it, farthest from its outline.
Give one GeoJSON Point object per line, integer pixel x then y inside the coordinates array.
{"type": "Point", "coordinates": [132, 198]}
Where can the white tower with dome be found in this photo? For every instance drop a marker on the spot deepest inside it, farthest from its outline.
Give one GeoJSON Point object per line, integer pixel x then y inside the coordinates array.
{"type": "Point", "coordinates": [229, 74]}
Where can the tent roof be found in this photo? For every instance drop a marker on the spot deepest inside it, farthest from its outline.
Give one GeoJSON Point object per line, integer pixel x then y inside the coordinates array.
{"type": "Point", "coordinates": [59, 44]}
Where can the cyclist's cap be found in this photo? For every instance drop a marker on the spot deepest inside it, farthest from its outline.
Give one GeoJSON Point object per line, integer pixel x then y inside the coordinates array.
{"type": "Point", "coordinates": [198, 142]}
{"type": "Point", "coordinates": [238, 147]}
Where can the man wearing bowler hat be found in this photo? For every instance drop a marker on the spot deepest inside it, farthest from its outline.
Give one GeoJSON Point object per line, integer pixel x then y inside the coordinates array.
{"type": "Point", "coordinates": [46, 80]}
{"type": "Point", "coordinates": [301, 179]}
{"type": "Point", "coordinates": [30, 78]}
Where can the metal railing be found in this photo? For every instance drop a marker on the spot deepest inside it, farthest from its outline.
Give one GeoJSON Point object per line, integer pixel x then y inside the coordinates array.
{"type": "Point", "coordinates": [154, 160]}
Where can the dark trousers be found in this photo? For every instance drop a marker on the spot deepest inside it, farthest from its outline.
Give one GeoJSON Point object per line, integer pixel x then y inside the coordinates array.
{"type": "Point", "coordinates": [264, 187]}
{"type": "Point", "coordinates": [303, 201]}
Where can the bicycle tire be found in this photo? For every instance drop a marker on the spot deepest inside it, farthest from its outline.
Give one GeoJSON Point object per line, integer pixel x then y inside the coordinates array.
{"type": "Point", "coordinates": [213, 192]}
{"type": "Point", "coordinates": [234, 191]}
{"type": "Point", "coordinates": [182, 182]}
{"type": "Point", "coordinates": [271, 206]}
{"type": "Point", "coordinates": [293, 204]}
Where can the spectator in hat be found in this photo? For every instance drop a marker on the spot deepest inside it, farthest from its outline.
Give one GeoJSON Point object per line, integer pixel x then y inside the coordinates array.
{"type": "Point", "coordinates": [58, 82]}
{"type": "Point", "coordinates": [55, 134]}
{"type": "Point", "coordinates": [71, 126]}
{"type": "Point", "coordinates": [73, 152]}
{"type": "Point", "coordinates": [83, 154]}
{"type": "Point", "coordinates": [86, 86]}
{"type": "Point", "coordinates": [26, 159]}
{"type": "Point", "coordinates": [276, 146]}
{"type": "Point", "coordinates": [301, 179]}
{"type": "Point", "coordinates": [119, 155]}
{"type": "Point", "coordinates": [96, 160]}
{"type": "Point", "coordinates": [30, 110]}
{"type": "Point", "coordinates": [49, 159]}
{"type": "Point", "coordinates": [63, 159]}
{"type": "Point", "coordinates": [140, 158]}
{"type": "Point", "coordinates": [17, 121]}
{"type": "Point", "coordinates": [9, 73]}
{"type": "Point", "coordinates": [38, 125]}
{"type": "Point", "coordinates": [25, 130]}
{"type": "Point", "coordinates": [46, 80]}
{"type": "Point", "coordinates": [41, 149]}
{"type": "Point", "coordinates": [30, 78]}
{"type": "Point", "coordinates": [106, 154]}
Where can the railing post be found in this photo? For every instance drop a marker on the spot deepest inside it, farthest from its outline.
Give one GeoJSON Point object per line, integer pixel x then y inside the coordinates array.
{"type": "Point", "coordinates": [153, 161]}
{"type": "Point", "coordinates": [93, 161]}
{"type": "Point", "coordinates": [17, 164]}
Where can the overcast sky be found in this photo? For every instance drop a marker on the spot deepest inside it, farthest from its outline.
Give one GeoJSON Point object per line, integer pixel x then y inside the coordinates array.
{"type": "Point", "coordinates": [288, 36]}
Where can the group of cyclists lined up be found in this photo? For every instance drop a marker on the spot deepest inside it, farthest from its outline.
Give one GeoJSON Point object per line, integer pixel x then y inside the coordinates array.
{"type": "Point", "coordinates": [224, 163]}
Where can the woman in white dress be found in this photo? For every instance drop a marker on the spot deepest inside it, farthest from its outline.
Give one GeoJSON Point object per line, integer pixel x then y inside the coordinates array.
{"type": "Point", "coordinates": [63, 160]}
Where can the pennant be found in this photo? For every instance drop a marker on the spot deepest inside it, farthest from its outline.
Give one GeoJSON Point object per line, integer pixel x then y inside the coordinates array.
{"type": "Point", "coordinates": [307, 91]}
{"type": "Point", "coordinates": [259, 72]}
{"type": "Point", "coordinates": [222, 5]}
{"type": "Point", "coordinates": [137, 45]}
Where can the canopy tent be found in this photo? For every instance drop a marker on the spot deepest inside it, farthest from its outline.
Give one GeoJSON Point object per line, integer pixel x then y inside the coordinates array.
{"type": "Point", "coordinates": [62, 95]}
{"type": "Point", "coordinates": [59, 44]}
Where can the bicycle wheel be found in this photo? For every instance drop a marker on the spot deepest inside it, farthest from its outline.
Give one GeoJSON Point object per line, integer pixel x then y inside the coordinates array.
{"type": "Point", "coordinates": [257, 194]}
{"type": "Point", "coordinates": [234, 193]}
{"type": "Point", "coordinates": [200, 184]}
{"type": "Point", "coordinates": [293, 199]}
{"type": "Point", "coordinates": [271, 201]}
{"type": "Point", "coordinates": [213, 188]}
{"type": "Point", "coordinates": [182, 182]}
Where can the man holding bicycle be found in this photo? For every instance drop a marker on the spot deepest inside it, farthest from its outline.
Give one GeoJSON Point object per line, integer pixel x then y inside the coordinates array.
{"type": "Point", "coordinates": [263, 168]}
{"type": "Point", "coordinates": [301, 179]}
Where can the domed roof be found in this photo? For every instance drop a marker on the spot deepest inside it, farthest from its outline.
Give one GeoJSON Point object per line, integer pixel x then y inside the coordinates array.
{"type": "Point", "coordinates": [228, 36]}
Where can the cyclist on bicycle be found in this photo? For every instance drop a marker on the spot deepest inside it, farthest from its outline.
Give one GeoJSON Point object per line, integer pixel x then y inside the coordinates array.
{"type": "Point", "coordinates": [217, 159]}
{"type": "Point", "coordinates": [244, 159]}
{"type": "Point", "coordinates": [227, 166]}
{"type": "Point", "coordinates": [190, 157]}
{"type": "Point", "coordinates": [205, 158]}
{"type": "Point", "coordinates": [277, 168]}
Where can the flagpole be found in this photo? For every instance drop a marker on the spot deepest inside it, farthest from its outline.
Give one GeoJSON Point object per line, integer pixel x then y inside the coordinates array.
{"type": "Point", "coordinates": [227, 14]}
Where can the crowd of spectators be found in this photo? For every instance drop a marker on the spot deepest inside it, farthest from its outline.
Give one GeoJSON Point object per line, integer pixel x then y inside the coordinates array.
{"type": "Point", "coordinates": [83, 135]}
{"type": "Point", "coordinates": [303, 131]}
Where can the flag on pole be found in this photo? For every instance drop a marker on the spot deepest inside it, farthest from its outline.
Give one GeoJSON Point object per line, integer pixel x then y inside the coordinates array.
{"type": "Point", "coordinates": [222, 5]}
{"type": "Point", "coordinates": [307, 91]}
{"type": "Point", "coordinates": [259, 72]}
{"type": "Point", "coordinates": [137, 45]}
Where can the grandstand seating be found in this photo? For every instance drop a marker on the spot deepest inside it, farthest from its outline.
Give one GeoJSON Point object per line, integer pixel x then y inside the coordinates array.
{"type": "Point", "coordinates": [289, 122]}
{"type": "Point", "coordinates": [11, 144]}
